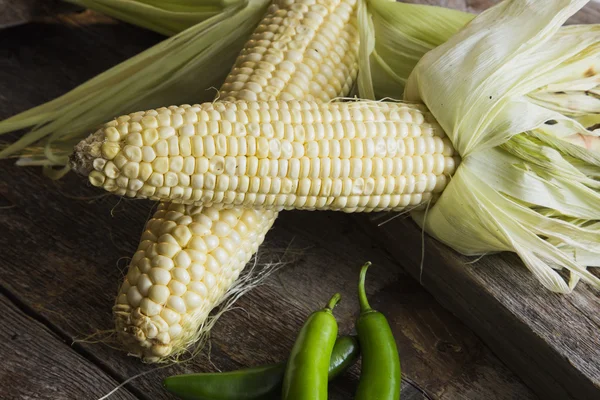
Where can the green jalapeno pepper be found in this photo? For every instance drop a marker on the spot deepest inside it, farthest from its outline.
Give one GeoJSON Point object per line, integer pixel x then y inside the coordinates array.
{"type": "Point", "coordinates": [380, 371]}
{"type": "Point", "coordinates": [259, 383]}
{"type": "Point", "coordinates": [345, 353]}
{"type": "Point", "coordinates": [307, 368]}
{"type": "Point", "coordinates": [245, 384]}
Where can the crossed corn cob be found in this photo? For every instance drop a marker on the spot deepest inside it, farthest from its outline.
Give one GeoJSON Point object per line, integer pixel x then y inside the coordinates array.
{"type": "Point", "coordinates": [190, 255]}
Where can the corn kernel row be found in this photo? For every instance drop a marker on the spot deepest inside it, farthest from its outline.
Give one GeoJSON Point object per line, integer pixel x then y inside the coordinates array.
{"type": "Point", "coordinates": [299, 51]}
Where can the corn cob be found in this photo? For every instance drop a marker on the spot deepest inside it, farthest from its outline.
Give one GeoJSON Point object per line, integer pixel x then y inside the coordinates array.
{"type": "Point", "coordinates": [187, 258]}
{"type": "Point", "coordinates": [190, 256]}
{"type": "Point", "coordinates": [350, 156]}
{"type": "Point", "coordinates": [307, 50]}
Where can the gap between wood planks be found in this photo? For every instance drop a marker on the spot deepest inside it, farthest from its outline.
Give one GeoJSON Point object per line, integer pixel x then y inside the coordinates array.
{"type": "Point", "coordinates": [68, 340]}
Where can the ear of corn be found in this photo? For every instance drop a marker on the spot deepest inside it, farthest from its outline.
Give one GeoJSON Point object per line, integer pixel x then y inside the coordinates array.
{"type": "Point", "coordinates": [350, 156]}
{"type": "Point", "coordinates": [504, 187]}
{"type": "Point", "coordinates": [189, 256]}
{"type": "Point", "coordinates": [167, 72]}
{"type": "Point", "coordinates": [302, 50]}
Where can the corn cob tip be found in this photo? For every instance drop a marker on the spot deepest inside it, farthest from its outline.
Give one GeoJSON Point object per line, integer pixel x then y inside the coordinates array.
{"type": "Point", "coordinates": [85, 152]}
{"type": "Point", "coordinates": [187, 261]}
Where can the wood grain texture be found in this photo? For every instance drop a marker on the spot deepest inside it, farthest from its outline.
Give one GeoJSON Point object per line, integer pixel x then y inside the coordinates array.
{"type": "Point", "coordinates": [14, 13]}
{"type": "Point", "coordinates": [551, 341]}
{"type": "Point", "coordinates": [542, 336]}
{"type": "Point", "coordinates": [36, 364]}
{"type": "Point", "coordinates": [18, 12]}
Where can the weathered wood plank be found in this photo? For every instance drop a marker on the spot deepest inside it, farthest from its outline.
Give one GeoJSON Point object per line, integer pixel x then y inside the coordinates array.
{"type": "Point", "coordinates": [545, 338]}
{"type": "Point", "coordinates": [542, 336]}
{"type": "Point", "coordinates": [36, 364]}
{"type": "Point", "coordinates": [57, 48]}
{"type": "Point", "coordinates": [18, 12]}
{"type": "Point", "coordinates": [13, 13]}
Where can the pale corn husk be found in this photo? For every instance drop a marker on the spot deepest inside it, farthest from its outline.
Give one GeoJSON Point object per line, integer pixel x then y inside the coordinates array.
{"type": "Point", "coordinates": [504, 88]}
{"type": "Point", "coordinates": [399, 34]}
{"type": "Point", "coordinates": [574, 86]}
{"type": "Point", "coordinates": [166, 17]}
{"type": "Point", "coordinates": [178, 70]}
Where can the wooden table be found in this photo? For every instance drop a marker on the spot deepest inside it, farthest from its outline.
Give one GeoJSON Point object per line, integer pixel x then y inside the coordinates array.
{"type": "Point", "coordinates": [64, 250]}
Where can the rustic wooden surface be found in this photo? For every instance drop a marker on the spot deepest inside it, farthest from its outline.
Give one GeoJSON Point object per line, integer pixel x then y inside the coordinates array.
{"type": "Point", "coordinates": [36, 363]}
{"type": "Point", "coordinates": [62, 264]}
{"type": "Point", "coordinates": [61, 268]}
{"type": "Point", "coordinates": [551, 341]}
{"type": "Point", "coordinates": [17, 12]}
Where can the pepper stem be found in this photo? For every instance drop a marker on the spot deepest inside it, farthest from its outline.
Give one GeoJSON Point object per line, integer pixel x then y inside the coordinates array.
{"type": "Point", "coordinates": [362, 295]}
{"type": "Point", "coordinates": [333, 301]}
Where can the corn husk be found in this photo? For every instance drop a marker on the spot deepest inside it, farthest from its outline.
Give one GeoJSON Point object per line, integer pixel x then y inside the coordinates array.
{"type": "Point", "coordinates": [396, 36]}
{"type": "Point", "coordinates": [166, 17]}
{"type": "Point", "coordinates": [179, 70]}
{"type": "Point", "coordinates": [515, 94]}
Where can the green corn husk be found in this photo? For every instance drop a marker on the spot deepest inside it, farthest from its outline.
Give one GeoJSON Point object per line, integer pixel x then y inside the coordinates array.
{"type": "Point", "coordinates": [515, 93]}
{"type": "Point", "coordinates": [166, 17]}
{"type": "Point", "coordinates": [400, 36]}
{"type": "Point", "coordinates": [176, 71]}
